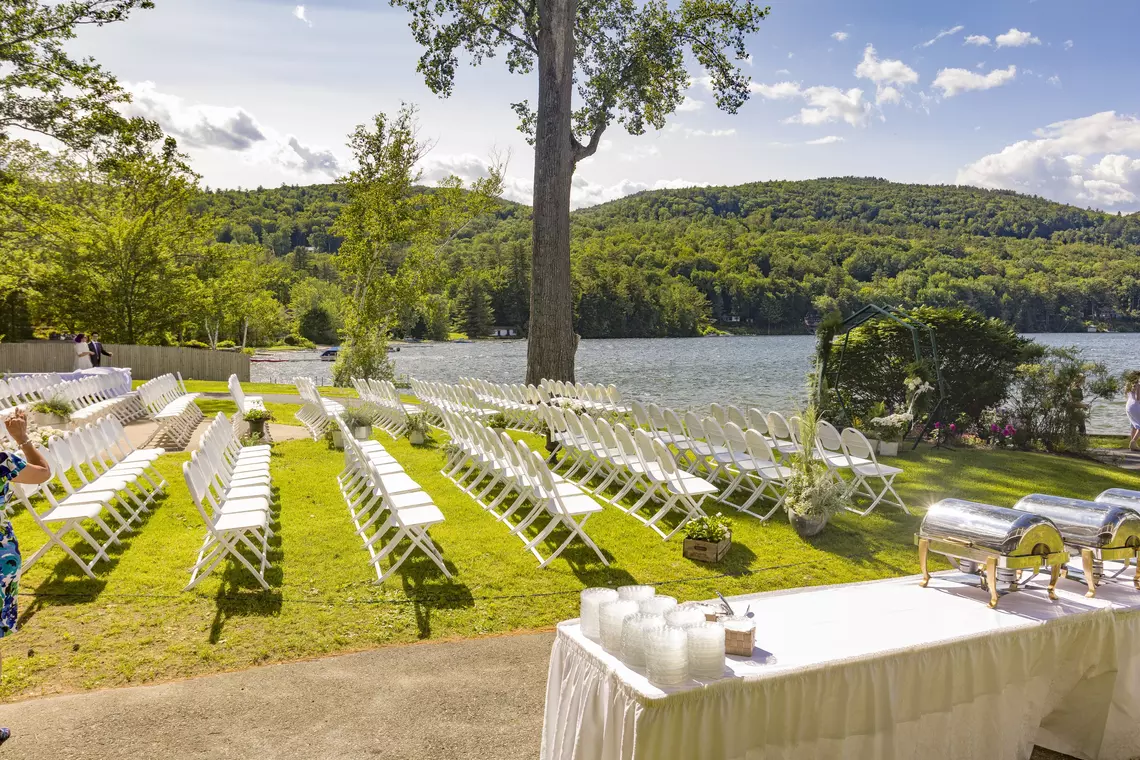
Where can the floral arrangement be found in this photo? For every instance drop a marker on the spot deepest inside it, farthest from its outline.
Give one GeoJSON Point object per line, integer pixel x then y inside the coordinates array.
{"type": "Point", "coordinates": [359, 416]}
{"type": "Point", "coordinates": [892, 427]}
{"type": "Point", "coordinates": [417, 423]}
{"type": "Point", "coordinates": [811, 490]}
{"type": "Point", "coordinates": [55, 406]}
{"type": "Point", "coordinates": [258, 415]}
{"type": "Point", "coordinates": [713, 529]}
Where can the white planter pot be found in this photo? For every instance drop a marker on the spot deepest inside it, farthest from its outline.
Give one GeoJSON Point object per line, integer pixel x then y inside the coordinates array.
{"type": "Point", "coordinates": [888, 448]}
{"type": "Point", "coordinates": [875, 444]}
{"type": "Point", "coordinates": [337, 439]}
{"type": "Point", "coordinates": [416, 437]}
{"type": "Point", "coordinates": [42, 419]}
{"type": "Point", "coordinates": [362, 433]}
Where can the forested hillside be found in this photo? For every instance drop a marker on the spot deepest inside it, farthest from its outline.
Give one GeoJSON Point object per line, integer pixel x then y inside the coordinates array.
{"type": "Point", "coordinates": [763, 256]}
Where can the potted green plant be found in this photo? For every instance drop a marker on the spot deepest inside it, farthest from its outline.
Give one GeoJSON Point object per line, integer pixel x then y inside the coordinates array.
{"type": "Point", "coordinates": [334, 437]}
{"type": "Point", "coordinates": [359, 420]}
{"type": "Point", "coordinates": [53, 411]}
{"type": "Point", "coordinates": [890, 430]}
{"type": "Point", "coordinates": [813, 495]}
{"type": "Point", "coordinates": [496, 421]}
{"type": "Point", "coordinates": [417, 429]}
{"type": "Point", "coordinates": [257, 419]}
{"type": "Point", "coordinates": [707, 539]}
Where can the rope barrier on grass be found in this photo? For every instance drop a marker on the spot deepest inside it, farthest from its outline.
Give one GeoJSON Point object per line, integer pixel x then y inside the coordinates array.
{"type": "Point", "coordinates": [427, 599]}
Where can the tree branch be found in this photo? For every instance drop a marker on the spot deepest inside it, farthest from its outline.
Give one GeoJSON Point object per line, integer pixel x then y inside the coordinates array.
{"type": "Point", "coordinates": [581, 151]}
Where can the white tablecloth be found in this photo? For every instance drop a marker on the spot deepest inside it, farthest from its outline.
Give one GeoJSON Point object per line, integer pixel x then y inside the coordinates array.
{"type": "Point", "coordinates": [875, 670]}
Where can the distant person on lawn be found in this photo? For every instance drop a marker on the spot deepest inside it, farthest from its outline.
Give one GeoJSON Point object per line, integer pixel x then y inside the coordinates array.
{"type": "Point", "coordinates": [97, 351]}
{"type": "Point", "coordinates": [82, 352]}
{"type": "Point", "coordinates": [29, 466]}
{"type": "Point", "coordinates": [1132, 406]}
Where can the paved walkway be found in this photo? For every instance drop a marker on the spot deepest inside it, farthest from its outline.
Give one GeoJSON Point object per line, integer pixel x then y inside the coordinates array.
{"type": "Point", "coordinates": [479, 699]}
{"type": "Point", "coordinates": [1122, 458]}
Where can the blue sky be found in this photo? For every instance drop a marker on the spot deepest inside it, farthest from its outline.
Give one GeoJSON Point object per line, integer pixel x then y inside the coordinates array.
{"type": "Point", "coordinates": [1039, 96]}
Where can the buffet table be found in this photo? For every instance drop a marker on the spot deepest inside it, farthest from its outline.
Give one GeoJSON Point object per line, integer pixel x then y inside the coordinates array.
{"type": "Point", "coordinates": [884, 669]}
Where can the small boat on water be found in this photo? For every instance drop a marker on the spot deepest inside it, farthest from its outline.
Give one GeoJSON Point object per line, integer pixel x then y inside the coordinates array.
{"type": "Point", "coordinates": [329, 354]}
{"type": "Point", "coordinates": [266, 359]}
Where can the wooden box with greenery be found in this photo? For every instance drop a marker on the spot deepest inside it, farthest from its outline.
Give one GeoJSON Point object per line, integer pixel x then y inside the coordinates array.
{"type": "Point", "coordinates": [708, 539]}
{"type": "Point", "coordinates": [814, 495]}
{"type": "Point", "coordinates": [359, 420]}
{"type": "Point", "coordinates": [257, 419]}
{"type": "Point", "coordinates": [53, 411]}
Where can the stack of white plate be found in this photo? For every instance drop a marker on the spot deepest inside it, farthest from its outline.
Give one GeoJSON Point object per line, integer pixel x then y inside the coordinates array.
{"type": "Point", "coordinates": [705, 650]}
{"type": "Point", "coordinates": [683, 617]}
{"type": "Point", "coordinates": [658, 605]}
{"type": "Point", "coordinates": [633, 637]}
{"type": "Point", "coordinates": [666, 655]}
{"type": "Point", "coordinates": [613, 615]}
{"type": "Point", "coordinates": [592, 599]}
{"type": "Point", "coordinates": [636, 593]}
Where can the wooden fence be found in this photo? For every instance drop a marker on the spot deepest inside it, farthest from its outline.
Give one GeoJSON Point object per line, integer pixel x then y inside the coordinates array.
{"type": "Point", "coordinates": [145, 361]}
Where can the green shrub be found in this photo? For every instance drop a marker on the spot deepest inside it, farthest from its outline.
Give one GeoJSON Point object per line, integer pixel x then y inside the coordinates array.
{"type": "Point", "coordinates": [258, 415]}
{"type": "Point", "coordinates": [978, 356]}
{"type": "Point", "coordinates": [55, 405]}
{"type": "Point", "coordinates": [1053, 395]}
{"type": "Point", "coordinates": [226, 344]}
{"type": "Point", "coordinates": [194, 344]}
{"type": "Point", "coordinates": [714, 528]}
{"type": "Point", "coordinates": [362, 415]}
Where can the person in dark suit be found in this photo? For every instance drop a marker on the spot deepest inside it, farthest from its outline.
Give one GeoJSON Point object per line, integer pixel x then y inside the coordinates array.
{"type": "Point", "coordinates": [97, 351]}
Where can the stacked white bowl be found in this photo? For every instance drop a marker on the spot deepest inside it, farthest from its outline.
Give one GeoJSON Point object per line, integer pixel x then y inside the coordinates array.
{"type": "Point", "coordinates": [633, 637]}
{"type": "Point", "coordinates": [666, 655]}
{"type": "Point", "coordinates": [592, 599]}
{"type": "Point", "coordinates": [613, 615]}
{"type": "Point", "coordinates": [636, 593]}
{"type": "Point", "coordinates": [705, 650]}
{"type": "Point", "coordinates": [683, 617]}
{"type": "Point", "coordinates": [658, 605]}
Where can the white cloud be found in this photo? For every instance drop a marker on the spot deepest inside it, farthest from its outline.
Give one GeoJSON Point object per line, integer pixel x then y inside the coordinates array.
{"type": "Point", "coordinates": [782, 71]}
{"type": "Point", "coordinates": [833, 104]}
{"type": "Point", "coordinates": [299, 14]}
{"type": "Point", "coordinates": [826, 103]}
{"type": "Point", "coordinates": [228, 128]}
{"type": "Point", "coordinates": [778, 91]}
{"type": "Point", "coordinates": [1016, 38]}
{"type": "Point", "coordinates": [829, 140]}
{"type": "Point", "coordinates": [977, 39]}
{"type": "Point", "coordinates": [1068, 44]}
{"type": "Point", "coordinates": [885, 74]}
{"type": "Point", "coordinates": [690, 104]}
{"type": "Point", "coordinates": [708, 132]}
{"type": "Point", "coordinates": [839, 36]}
{"type": "Point", "coordinates": [1054, 80]}
{"type": "Point", "coordinates": [1087, 161]}
{"type": "Point", "coordinates": [639, 151]}
{"type": "Point", "coordinates": [888, 95]}
{"type": "Point", "coordinates": [791, 55]}
{"type": "Point", "coordinates": [955, 81]}
{"type": "Point", "coordinates": [940, 35]}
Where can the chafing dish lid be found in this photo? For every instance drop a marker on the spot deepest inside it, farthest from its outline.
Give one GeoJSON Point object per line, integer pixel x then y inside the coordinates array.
{"type": "Point", "coordinates": [1123, 497]}
{"type": "Point", "coordinates": [1086, 523]}
{"type": "Point", "coordinates": [1009, 532]}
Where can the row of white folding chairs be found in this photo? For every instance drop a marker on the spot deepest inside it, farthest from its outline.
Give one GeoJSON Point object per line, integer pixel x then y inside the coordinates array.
{"type": "Point", "coordinates": [232, 490]}
{"type": "Point", "coordinates": [437, 398]}
{"type": "Point", "coordinates": [484, 460]}
{"type": "Point", "coordinates": [742, 458]}
{"type": "Point", "coordinates": [316, 413]}
{"type": "Point", "coordinates": [391, 413]}
{"type": "Point", "coordinates": [847, 453]}
{"type": "Point", "coordinates": [99, 477]}
{"type": "Point", "coordinates": [590, 396]}
{"type": "Point", "coordinates": [94, 397]}
{"type": "Point", "coordinates": [520, 404]}
{"type": "Point", "coordinates": [172, 408]}
{"type": "Point", "coordinates": [386, 505]}
{"type": "Point", "coordinates": [599, 455]}
{"type": "Point", "coordinates": [20, 390]}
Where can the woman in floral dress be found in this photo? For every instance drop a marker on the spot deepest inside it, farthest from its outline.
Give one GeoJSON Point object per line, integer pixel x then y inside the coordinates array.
{"type": "Point", "coordinates": [29, 466]}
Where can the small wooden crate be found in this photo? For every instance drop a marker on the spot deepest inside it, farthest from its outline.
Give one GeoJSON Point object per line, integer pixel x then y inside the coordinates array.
{"type": "Point", "coordinates": [706, 551]}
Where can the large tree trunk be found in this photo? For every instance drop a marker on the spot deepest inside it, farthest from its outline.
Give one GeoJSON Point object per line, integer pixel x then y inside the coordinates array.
{"type": "Point", "coordinates": [550, 342]}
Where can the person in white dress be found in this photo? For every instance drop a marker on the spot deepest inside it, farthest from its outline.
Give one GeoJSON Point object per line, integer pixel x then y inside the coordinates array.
{"type": "Point", "coordinates": [82, 352]}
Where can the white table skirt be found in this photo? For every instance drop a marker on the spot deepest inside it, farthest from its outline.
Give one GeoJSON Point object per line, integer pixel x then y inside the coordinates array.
{"type": "Point", "coordinates": [875, 670]}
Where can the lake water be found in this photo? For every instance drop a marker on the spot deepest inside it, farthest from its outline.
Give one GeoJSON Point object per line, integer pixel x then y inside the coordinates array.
{"type": "Point", "coordinates": [768, 372]}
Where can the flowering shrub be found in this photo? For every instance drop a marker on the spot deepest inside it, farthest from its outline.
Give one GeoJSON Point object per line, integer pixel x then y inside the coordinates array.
{"type": "Point", "coordinates": [892, 427]}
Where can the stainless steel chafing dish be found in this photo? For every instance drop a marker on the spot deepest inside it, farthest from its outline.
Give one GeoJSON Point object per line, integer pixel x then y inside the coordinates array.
{"type": "Point", "coordinates": [1098, 530]}
{"type": "Point", "coordinates": [1121, 497]}
{"type": "Point", "coordinates": [997, 543]}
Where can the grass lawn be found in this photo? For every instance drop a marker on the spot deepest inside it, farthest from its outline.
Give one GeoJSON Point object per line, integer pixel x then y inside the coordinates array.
{"type": "Point", "coordinates": [284, 414]}
{"type": "Point", "coordinates": [135, 624]}
{"type": "Point", "coordinates": [259, 389]}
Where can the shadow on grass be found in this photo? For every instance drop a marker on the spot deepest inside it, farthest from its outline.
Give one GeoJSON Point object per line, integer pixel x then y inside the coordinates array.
{"type": "Point", "coordinates": [240, 595]}
{"type": "Point", "coordinates": [67, 584]}
{"type": "Point", "coordinates": [428, 589]}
